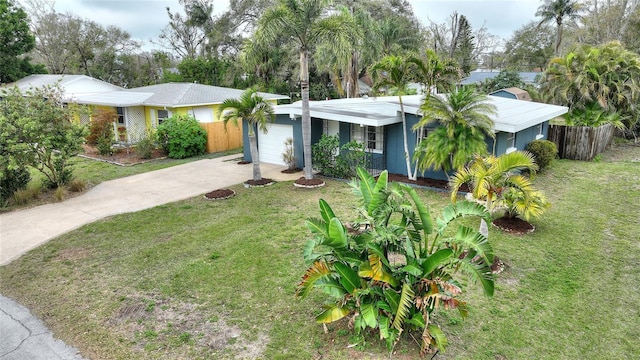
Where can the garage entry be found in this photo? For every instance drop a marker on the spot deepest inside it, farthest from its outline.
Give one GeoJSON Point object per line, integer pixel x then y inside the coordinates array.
{"type": "Point", "coordinates": [271, 145]}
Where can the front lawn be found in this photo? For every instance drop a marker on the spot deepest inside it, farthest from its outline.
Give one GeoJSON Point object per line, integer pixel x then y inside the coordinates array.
{"type": "Point", "coordinates": [215, 279]}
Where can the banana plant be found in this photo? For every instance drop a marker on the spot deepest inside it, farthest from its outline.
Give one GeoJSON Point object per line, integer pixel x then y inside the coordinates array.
{"type": "Point", "coordinates": [393, 267]}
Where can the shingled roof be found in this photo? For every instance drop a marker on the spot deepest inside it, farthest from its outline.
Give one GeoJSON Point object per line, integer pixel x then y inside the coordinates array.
{"type": "Point", "coordinates": [170, 95]}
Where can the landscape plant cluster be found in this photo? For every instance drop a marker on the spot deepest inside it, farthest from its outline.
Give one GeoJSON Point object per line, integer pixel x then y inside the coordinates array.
{"type": "Point", "coordinates": [181, 137]}
{"type": "Point", "coordinates": [390, 269]}
{"type": "Point", "coordinates": [333, 160]}
{"type": "Point", "coordinates": [37, 131]}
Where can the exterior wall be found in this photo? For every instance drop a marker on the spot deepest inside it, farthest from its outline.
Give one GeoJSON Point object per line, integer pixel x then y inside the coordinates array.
{"type": "Point", "coordinates": [523, 138]}
{"type": "Point", "coordinates": [504, 94]}
{"type": "Point", "coordinates": [297, 137]}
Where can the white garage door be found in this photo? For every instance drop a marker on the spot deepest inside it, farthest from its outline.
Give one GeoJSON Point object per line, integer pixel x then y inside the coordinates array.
{"type": "Point", "coordinates": [271, 145]}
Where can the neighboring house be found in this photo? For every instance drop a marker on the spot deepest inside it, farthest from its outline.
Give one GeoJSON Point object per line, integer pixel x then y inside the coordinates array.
{"type": "Point", "coordinates": [377, 123]}
{"type": "Point", "coordinates": [142, 109]}
{"type": "Point", "coordinates": [479, 76]}
{"type": "Point", "coordinates": [71, 86]}
{"type": "Point", "coordinates": [512, 93]}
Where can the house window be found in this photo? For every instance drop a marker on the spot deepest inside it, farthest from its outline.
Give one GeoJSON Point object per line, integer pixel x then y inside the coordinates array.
{"type": "Point", "coordinates": [540, 135]}
{"type": "Point", "coordinates": [371, 136]}
{"type": "Point", "coordinates": [120, 112]}
{"type": "Point", "coordinates": [162, 116]}
{"type": "Point", "coordinates": [511, 143]}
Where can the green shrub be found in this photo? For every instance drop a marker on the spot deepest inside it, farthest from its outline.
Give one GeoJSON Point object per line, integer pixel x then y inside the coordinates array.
{"type": "Point", "coordinates": [146, 145]}
{"type": "Point", "coordinates": [352, 156]}
{"type": "Point", "coordinates": [323, 154]}
{"type": "Point", "coordinates": [12, 180]}
{"type": "Point", "coordinates": [343, 164]}
{"type": "Point", "coordinates": [181, 137]}
{"type": "Point", "coordinates": [544, 151]}
{"type": "Point", "coordinates": [62, 171]}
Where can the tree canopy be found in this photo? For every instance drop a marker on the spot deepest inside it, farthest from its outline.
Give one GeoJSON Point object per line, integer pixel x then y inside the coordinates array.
{"type": "Point", "coordinates": [16, 40]}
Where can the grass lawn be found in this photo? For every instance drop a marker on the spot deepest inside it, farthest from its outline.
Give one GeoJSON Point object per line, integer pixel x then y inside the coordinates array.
{"type": "Point", "coordinates": [215, 279]}
{"type": "Point", "coordinates": [94, 172]}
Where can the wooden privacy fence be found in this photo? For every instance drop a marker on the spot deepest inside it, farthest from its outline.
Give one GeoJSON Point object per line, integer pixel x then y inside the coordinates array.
{"type": "Point", "coordinates": [580, 142]}
{"type": "Point", "coordinates": [219, 139]}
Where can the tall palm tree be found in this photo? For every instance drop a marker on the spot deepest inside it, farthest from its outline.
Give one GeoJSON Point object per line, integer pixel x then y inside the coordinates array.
{"type": "Point", "coordinates": [395, 72]}
{"type": "Point", "coordinates": [435, 74]}
{"type": "Point", "coordinates": [558, 11]}
{"type": "Point", "coordinates": [252, 108]}
{"type": "Point", "coordinates": [464, 118]}
{"type": "Point", "coordinates": [306, 23]}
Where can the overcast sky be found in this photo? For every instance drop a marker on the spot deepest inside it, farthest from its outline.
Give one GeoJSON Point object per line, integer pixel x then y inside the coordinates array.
{"type": "Point", "coordinates": [144, 19]}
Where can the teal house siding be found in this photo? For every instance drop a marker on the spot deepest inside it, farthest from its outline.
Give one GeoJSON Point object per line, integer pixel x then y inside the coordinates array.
{"type": "Point", "coordinates": [284, 120]}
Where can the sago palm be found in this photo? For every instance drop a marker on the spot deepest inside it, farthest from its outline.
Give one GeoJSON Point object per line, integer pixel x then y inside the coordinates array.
{"type": "Point", "coordinates": [252, 108]}
{"type": "Point", "coordinates": [306, 23]}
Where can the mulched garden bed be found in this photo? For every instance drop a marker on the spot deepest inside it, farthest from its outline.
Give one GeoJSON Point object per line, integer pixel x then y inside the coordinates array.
{"type": "Point", "coordinates": [427, 182]}
{"type": "Point", "coordinates": [219, 194]}
{"type": "Point", "coordinates": [291, 170]}
{"type": "Point", "coordinates": [309, 183]}
{"type": "Point", "coordinates": [121, 156]}
{"type": "Point", "coordinates": [513, 225]}
{"type": "Point", "coordinates": [259, 183]}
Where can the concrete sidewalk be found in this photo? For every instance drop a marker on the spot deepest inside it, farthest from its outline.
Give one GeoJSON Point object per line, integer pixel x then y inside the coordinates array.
{"type": "Point", "coordinates": [21, 231]}
{"type": "Point", "coordinates": [25, 337]}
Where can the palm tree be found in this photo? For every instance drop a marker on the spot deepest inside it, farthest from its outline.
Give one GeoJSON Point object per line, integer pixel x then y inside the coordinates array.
{"type": "Point", "coordinates": [435, 72]}
{"type": "Point", "coordinates": [499, 178]}
{"type": "Point", "coordinates": [464, 119]}
{"type": "Point", "coordinates": [396, 72]}
{"type": "Point", "coordinates": [253, 109]}
{"type": "Point", "coordinates": [307, 23]}
{"type": "Point", "coordinates": [558, 11]}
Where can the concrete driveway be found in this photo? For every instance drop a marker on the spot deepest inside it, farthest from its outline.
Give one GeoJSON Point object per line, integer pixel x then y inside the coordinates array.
{"type": "Point", "coordinates": [21, 231]}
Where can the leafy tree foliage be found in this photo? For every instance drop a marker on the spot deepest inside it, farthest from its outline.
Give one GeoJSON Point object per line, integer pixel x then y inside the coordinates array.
{"type": "Point", "coordinates": [601, 79]}
{"type": "Point", "coordinates": [181, 137]}
{"type": "Point", "coordinates": [396, 269]}
{"type": "Point", "coordinates": [15, 40]}
{"type": "Point", "coordinates": [464, 46]}
{"type": "Point", "coordinates": [505, 79]}
{"type": "Point", "coordinates": [612, 20]}
{"type": "Point", "coordinates": [530, 47]}
{"type": "Point", "coordinates": [257, 112]}
{"type": "Point", "coordinates": [456, 40]}
{"type": "Point", "coordinates": [208, 71]}
{"type": "Point", "coordinates": [42, 133]}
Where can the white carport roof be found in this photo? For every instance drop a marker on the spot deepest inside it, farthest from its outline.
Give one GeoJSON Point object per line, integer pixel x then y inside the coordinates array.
{"type": "Point", "coordinates": [116, 98]}
{"type": "Point", "coordinates": [512, 115]}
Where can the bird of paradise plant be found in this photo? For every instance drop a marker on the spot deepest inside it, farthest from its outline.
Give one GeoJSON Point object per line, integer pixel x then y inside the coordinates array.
{"type": "Point", "coordinates": [398, 266]}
